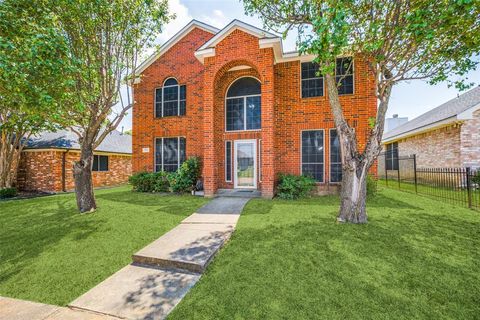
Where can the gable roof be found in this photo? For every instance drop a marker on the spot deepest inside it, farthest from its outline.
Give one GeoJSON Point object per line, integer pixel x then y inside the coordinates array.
{"type": "Point", "coordinates": [114, 142]}
{"type": "Point", "coordinates": [455, 109]}
{"type": "Point", "coordinates": [234, 25]}
{"type": "Point", "coordinates": [173, 40]}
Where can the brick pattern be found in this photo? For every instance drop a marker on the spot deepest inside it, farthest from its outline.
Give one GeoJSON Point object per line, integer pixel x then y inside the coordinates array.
{"type": "Point", "coordinates": [284, 113]}
{"type": "Point", "coordinates": [42, 171]}
{"type": "Point", "coordinates": [470, 142]}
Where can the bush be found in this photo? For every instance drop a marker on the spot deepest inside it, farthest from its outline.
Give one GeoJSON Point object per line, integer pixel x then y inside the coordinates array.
{"type": "Point", "coordinates": [371, 186]}
{"type": "Point", "coordinates": [8, 193]}
{"type": "Point", "coordinates": [293, 187]}
{"type": "Point", "coordinates": [185, 178]}
{"type": "Point", "coordinates": [476, 177]}
{"type": "Point", "coordinates": [149, 182]}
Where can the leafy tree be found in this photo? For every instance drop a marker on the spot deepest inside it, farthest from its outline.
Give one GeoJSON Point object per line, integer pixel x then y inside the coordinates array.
{"type": "Point", "coordinates": [105, 38]}
{"type": "Point", "coordinates": [34, 78]}
{"type": "Point", "coordinates": [400, 40]}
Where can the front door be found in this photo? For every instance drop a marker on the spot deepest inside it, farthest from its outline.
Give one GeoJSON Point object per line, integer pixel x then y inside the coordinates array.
{"type": "Point", "coordinates": [245, 155]}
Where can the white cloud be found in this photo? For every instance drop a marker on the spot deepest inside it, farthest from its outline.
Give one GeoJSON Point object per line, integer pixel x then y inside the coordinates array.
{"type": "Point", "coordinates": [216, 18]}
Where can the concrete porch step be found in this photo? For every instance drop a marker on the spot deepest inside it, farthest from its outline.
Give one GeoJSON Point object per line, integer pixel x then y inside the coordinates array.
{"type": "Point", "coordinates": [189, 246]}
{"type": "Point", "coordinates": [238, 193]}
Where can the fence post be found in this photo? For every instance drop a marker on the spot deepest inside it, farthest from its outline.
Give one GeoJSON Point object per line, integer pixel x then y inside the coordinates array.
{"type": "Point", "coordinates": [415, 171]}
{"type": "Point", "coordinates": [398, 173]}
{"type": "Point", "coordinates": [469, 190]}
{"type": "Point", "coordinates": [386, 170]}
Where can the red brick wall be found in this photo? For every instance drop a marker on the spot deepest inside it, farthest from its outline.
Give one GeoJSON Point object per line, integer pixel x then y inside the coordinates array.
{"type": "Point", "coordinates": [180, 63]}
{"type": "Point", "coordinates": [42, 170]}
{"type": "Point", "coordinates": [470, 141]}
{"type": "Point", "coordinates": [284, 113]}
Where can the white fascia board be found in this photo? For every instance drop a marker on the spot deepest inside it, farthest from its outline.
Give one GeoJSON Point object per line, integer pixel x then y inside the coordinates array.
{"type": "Point", "coordinates": [173, 40]}
{"type": "Point", "coordinates": [430, 127]}
{"type": "Point", "coordinates": [205, 53]}
{"type": "Point", "coordinates": [468, 114]}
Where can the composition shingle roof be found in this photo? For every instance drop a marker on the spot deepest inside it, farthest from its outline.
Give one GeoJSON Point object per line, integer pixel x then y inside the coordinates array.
{"type": "Point", "coordinates": [115, 141]}
{"type": "Point", "coordinates": [445, 111]}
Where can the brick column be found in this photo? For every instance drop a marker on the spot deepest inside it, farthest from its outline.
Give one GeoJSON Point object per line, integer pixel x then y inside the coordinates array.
{"type": "Point", "coordinates": [268, 125]}
{"type": "Point", "coordinates": [209, 161]}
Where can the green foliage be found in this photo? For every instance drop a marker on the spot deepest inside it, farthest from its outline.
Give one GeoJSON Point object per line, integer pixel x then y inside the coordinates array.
{"type": "Point", "coordinates": [185, 178]}
{"type": "Point", "coordinates": [372, 188]}
{"type": "Point", "coordinates": [476, 177]}
{"type": "Point", "coordinates": [8, 193]}
{"type": "Point", "coordinates": [294, 187]}
{"type": "Point", "coordinates": [149, 182]}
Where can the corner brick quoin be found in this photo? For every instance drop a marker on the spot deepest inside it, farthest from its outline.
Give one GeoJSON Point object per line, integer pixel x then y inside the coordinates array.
{"type": "Point", "coordinates": [284, 113]}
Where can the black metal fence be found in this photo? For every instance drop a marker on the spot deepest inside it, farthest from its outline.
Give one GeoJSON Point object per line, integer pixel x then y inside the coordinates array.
{"type": "Point", "coordinates": [459, 186]}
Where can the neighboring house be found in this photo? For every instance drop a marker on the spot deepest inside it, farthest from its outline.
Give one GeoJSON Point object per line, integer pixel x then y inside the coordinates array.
{"type": "Point", "coordinates": [393, 122]}
{"type": "Point", "coordinates": [447, 136]}
{"type": "Point", "coordinates": [46, 163]}
{"type": "Point", "coordinates": [248, 109]}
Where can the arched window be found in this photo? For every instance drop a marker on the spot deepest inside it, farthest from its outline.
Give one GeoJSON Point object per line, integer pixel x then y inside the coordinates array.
{"type": "Point", "coordinates": [170, 100]}
{"type": "Point", "coordinates": [243, 105]}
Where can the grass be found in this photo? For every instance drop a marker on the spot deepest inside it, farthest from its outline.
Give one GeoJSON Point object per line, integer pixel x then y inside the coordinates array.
{"type": "Point", "coordinates": [417, 258]}
{"type": "Point", "coordinates": [51, 254]}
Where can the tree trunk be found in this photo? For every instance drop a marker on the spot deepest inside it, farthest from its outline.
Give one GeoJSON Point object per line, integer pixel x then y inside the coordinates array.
{"type": "Point", "coordinates": [82, 172]}
{"type": "Point", "coordinates": [353, 194]}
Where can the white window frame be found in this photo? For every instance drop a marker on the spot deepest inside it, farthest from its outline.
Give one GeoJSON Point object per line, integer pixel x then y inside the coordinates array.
{"type": "Point", "coordinates": [259, 160]}
{"type": "Point", "coordinates": [178, 152]}
{"type": "Point", "coordinates": [353, 75]}
{"type": "Point", "coordinates": [301, 82]}
{"type": "Point", "coordinates": [330, 158]}
{"type": "Point", "coordinates": [163, 98]}
{"type": "Point", "coordinates": [301, 158]}
{"type": "Point", "coordinates": [244, 106]}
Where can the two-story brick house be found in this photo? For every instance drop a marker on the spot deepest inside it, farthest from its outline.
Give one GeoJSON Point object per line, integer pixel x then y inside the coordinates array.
{"type": "Point", "coordinates": [248, 109]}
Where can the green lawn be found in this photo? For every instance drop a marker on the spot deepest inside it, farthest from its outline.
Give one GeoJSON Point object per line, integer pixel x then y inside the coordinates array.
{"type": "Point", "coordinates": [50, 253]}
{"type": "Point", "coordinates": [416, 259]}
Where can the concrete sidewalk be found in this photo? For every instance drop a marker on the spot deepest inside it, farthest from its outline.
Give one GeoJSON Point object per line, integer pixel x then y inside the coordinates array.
{"type": "Point", "coordinates": [15, 309]}
{"type": "Point", "coordinates": [165, 270]}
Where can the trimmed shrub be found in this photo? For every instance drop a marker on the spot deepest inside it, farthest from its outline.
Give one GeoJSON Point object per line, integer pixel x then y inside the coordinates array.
{"type": "Point", "coordinates": [185, 178]}
{"type": "Point", "coordinates": [8, 193]}
{"type": "Point", "coordinates": [293, 187]}
{"type": "Point", "coordinates": [149, 182]}
{"type": "Point", "coordinates": [371, 186]}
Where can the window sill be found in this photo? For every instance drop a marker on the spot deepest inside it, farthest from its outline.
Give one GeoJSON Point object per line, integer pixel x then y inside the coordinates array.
{"type": "Point", "coordinates": [169, 117]}
{"type": "Point", "coordinates": [237, 131]}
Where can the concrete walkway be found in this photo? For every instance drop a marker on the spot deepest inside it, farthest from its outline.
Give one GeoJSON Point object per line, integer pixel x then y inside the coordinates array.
{"type": "Point", "coordinates": [165, 270]}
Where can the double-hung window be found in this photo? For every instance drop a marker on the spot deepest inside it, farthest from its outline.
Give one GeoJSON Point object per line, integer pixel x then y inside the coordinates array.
{"type": "Point", "coordinates": [100, 163]}
{"type": "Point", "coordinates": [335, 157]}
{"type": "Point", "coordinates": [170, 100]}
{"type": "Point", "coordinates": [243, 105]}
{"type": "Point", "coordinates": [170, 153]}
{"type": "Point", "coordinates": [344, 75]}
{"type": "Point", "coordinates": [312, 154]}
{"type": "Point", "coordinates": [312, 82]}
{"type": "Point", "coordinates": [391, 157]}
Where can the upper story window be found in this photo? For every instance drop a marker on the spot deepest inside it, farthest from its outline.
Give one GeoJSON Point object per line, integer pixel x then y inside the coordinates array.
{"type": "Point", "coordinates": [344, 75]}
{"type": "Point", "coordinates": [243, 105]}
{"type": "Point", "coordinates": [170, 100]}
{"type": "Point", "coordinates": [312, 82]}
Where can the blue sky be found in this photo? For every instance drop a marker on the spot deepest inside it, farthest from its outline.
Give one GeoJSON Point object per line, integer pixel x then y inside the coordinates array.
{"type": "Point", "coordinates": [409, 99]}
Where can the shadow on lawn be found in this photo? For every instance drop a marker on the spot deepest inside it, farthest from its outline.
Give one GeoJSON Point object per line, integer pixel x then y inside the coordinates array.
{"type": "Point", "coordinates": [39, 225]}
{"type": "Point", "coordinates": [403, 264]}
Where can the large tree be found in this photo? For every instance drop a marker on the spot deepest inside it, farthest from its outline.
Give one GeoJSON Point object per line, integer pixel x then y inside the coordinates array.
{"type": "Point", "coordinates": [400, 40]}
{"type": "Point", "coordinates": [34, 78]}
{"type": "Point", "coordinates": [105, 38]}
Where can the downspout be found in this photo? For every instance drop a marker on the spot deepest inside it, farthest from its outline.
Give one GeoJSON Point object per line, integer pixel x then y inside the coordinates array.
{"type": "Point", "coordinates": [64, 173]}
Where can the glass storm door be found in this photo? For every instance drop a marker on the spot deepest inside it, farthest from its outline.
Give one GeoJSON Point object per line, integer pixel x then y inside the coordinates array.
{"type": "Point", "coordinates": [245, 164]}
